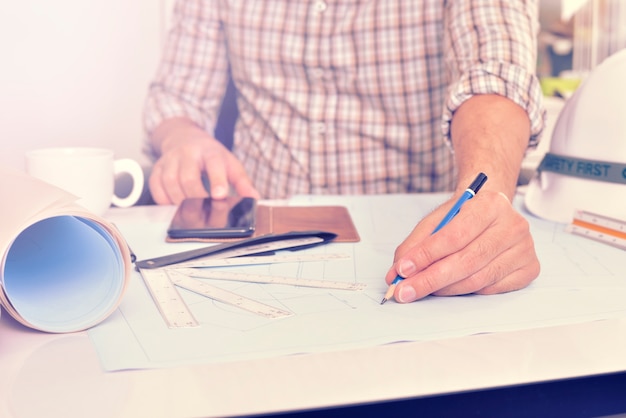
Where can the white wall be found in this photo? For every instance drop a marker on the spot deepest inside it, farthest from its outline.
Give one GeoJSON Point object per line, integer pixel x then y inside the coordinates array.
{"type": "Point", "coordinates": [75, 72]}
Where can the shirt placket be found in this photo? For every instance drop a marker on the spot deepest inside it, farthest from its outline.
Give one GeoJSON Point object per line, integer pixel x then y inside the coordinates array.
{"type": "Point", "coordinates": [319, 74]}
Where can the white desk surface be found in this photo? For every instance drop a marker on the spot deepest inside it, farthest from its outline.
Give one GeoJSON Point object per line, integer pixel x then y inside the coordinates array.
{"type": "Point", "coordinates": [56, 375]}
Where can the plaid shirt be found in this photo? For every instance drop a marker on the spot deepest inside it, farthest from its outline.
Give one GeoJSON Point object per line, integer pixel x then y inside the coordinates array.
{"type": "Point", "coordinates": [345, 96]}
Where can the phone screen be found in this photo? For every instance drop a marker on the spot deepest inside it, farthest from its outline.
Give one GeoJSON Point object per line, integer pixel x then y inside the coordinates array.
{"type": "Point", "coordinates": [207, 218]}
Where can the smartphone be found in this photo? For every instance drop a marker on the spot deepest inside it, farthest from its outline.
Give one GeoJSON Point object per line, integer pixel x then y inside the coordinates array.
{"type": "Point", "coordinates": [232, 217]}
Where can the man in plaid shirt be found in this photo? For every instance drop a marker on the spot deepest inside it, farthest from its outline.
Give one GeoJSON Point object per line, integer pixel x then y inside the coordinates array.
{"type": "Point", "coordinates": [361, 97]}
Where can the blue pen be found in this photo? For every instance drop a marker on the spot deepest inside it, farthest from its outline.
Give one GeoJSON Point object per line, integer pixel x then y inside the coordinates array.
{"type": "Point", "coordinates": [470, 192]}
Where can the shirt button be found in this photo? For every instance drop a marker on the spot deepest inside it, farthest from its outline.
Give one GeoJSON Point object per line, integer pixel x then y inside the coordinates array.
{"type": "Point", "coordinates": [320, 6]}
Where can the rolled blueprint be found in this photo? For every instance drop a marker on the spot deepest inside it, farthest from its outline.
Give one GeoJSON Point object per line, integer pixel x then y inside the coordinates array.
{"type": "Point", "coordinates": [62, 268]}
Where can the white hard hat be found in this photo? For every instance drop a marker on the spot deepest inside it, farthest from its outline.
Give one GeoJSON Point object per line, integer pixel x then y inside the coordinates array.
{"type": "Point", "coordinates": [585, 168]}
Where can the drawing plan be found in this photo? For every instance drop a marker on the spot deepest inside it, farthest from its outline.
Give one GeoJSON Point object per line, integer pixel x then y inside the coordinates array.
{"type": "Point", "coordinates": [256, 316]}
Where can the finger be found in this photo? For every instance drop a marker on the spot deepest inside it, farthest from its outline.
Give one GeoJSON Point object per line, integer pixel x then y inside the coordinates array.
{"type": "Point", "coordinates": [157, 189]}
{"type": "Point", "coordinates": [439, 275]}
{"type": "Point", "coordinates": [170, 181]}
{"type": "Point", "coordinates": [427, 251]}
{"type": "Point", "coordinates": [190, 180]}
{"type": "Point", "coordinates": [512, 270]}
{"type": "Point", "coordinates": [238, 178]}
{"type": "Point", "coordinates": [519, 279]}
{"type": "Point", "coordinates": [470, 242]}
{"type": "Point", "coordinates": [487, 212]}
{"type": "Point", "coordinates": [422, 231]}
{"type": "Point", "coordinates": [216, 173]}
{"type": "Point", "coordinates": [244, 187]}
{"type": "Point", "coordinates": [450, 241]}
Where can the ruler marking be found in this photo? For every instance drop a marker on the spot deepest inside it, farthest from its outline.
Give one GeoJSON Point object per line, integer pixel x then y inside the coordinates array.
{"type": "Point", "coordinates": [269, 279]}
{"type": "Point", "coordinates": [162, 283]}
{"type": "Point", "coordinates": [599, 228]}
{"type": "Point", "coordinates": [170, 304]}
{"type": "Point", "coordinates": [263, 259]}
{"type": "Point", "coordinates": [225, 296]}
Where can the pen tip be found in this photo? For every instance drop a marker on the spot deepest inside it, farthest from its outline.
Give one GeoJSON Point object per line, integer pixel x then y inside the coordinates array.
{"type": "Point", "coordinates": [383, 301]}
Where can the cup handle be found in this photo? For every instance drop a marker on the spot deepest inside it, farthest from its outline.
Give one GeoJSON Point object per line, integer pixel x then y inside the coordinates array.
{"type": "Point", "coordinates": [131, 167]}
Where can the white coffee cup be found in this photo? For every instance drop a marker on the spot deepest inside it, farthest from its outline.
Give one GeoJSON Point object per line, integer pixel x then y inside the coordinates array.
{"type": "Point", "coordinates": [88, 173]}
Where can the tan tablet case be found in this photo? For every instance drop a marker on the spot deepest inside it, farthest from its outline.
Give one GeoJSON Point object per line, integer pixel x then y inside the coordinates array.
{"type": "Point", "coordinates": [282, 219]}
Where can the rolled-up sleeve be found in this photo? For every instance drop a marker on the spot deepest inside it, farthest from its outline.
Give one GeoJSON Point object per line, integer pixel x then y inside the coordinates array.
{"type": "Point", "coordinates": [491, 48]}
{"type": "Point", "coordinates": [192, 75]}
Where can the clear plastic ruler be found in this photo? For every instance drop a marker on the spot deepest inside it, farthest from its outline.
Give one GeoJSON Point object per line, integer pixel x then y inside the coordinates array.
{"type": "Point", "coordinates": [260, 259]}
{"type": "Point", "coordinates": [600, 228]}
{"type": "Point", "coordinates": [175, 311]}
{"type": "Point", "coordinates": [216, 293]}
{"type": "Point", "coordinates": [172, 307]}
{"type": "Point", "coordinates": [259, 278]}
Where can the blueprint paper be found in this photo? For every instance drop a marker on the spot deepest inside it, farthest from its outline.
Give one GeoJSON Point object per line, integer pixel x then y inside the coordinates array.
{"type": "Point", "coordinates": [581, 280]}
{"type": "Point", "coordinates": [62, 268]}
